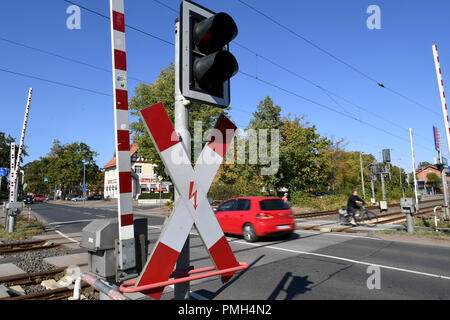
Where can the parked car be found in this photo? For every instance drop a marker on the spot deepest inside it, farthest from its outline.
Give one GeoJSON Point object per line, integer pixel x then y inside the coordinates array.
{"type": "Point", "coordinates": [254, 217]}
{"type": "Point", "coordinates": [78, 198]}
{"type": "Point", "coordinates": [28, 199]}
{"type": "Point", "coordinates": [39, 197]}
{"type": "Point", "coordinates": [95, 197]}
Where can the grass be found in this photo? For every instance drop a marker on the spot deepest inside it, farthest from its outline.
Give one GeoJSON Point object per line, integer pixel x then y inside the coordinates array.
{"type": "Point", "coordinates": [421, 233]}
{"type": "Point", "coordinates": [429, 223]}
{"type": "Point", "coordinates": [330, 202]}
{"type": "Point", "coordinates": [24, 229]}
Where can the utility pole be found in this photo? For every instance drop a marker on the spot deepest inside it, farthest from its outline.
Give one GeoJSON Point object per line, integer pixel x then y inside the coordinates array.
{"type": "Point", "coordinates": [383, 190]}
{"type": "Point", "coordinates": [181, 290]}
{"type": "Point", "coordinates": [414, 169]}
{"type": "Point", "coordinates": [362, 176]}
{"type": "Point", "coordinates": [84, 182]}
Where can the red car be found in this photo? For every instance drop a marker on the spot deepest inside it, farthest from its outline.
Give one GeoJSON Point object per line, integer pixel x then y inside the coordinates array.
{"type": "Point", "coordinates": [39, 197]}
{"type": "Point", "coordinates": [254, 217]}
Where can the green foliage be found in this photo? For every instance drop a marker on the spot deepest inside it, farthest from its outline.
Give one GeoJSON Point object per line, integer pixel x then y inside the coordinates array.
{"type": "Point", "coordinates": [163, 90]}
{"type": "Point", "coordinates": [329, 202]}
{"type": "Point", "coordinates": [146, 196]}
{"type": "Point", "coordinates": [63, 166]}
{"type": "Point", "coordinates": [303, 160]}
{"type": "Point", "coordinates": [5, 156]}
{"type": "Point", "coordinates": [433, 180]}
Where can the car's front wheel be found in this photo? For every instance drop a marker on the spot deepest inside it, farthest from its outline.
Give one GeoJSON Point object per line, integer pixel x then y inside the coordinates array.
{"type": "Point", "coordinates": [249, 233]}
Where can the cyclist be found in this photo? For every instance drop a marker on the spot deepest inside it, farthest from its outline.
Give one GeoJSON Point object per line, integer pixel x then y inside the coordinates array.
{"type": "Point", "coordinates": [353, 206]}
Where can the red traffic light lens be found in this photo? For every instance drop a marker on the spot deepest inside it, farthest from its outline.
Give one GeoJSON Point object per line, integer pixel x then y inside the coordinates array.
{"type": "Point", "coordinates": [212, 34]}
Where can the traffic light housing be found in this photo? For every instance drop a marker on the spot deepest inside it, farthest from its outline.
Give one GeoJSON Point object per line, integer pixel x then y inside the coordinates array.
{"type": "Point", "coordinates": [206, 65]}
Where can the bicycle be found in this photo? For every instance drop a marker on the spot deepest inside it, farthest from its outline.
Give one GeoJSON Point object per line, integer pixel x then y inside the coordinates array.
{"type": "Point", "coordinates": [368, 218]}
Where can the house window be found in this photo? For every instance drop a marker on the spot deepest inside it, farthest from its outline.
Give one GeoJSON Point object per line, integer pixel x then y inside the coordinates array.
{"type": "Point", "coordinates": [138, 169]}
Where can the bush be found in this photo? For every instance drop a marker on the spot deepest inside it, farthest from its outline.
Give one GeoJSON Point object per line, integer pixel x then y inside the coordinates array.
{"type": "Point", "coordinates": [145, 196]}
{"type": "Point", "coordinates": [329, 202]}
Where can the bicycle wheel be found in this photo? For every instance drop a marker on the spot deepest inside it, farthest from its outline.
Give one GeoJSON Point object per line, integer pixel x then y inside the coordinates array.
{"type": "Point", "coordinates": [370, 219]}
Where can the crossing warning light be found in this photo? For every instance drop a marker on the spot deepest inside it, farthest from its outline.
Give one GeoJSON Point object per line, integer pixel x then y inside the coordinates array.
{"type": "Point", "coordinates": [206, 65]}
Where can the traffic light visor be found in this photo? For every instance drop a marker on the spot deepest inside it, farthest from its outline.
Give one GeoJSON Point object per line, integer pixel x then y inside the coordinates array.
{"type": "Point", "coordinates": [210, 35]}
{"type": "Point", "coordinates": [214, 69]}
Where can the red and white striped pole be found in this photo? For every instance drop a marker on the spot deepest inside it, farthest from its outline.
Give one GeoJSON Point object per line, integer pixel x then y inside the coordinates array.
{"type": "Point", "coordinates": [442, 95]}
{"type": "Point", "coordinates": [126, 258]}
{"type": "Point", "coordinates": [12, 172]}
{"type": "Point", "coordinates": [22, 138]}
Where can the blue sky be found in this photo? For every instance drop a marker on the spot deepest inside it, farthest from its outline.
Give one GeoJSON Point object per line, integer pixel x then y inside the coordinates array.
{"type": "Point", "coordinates": [399, 55]}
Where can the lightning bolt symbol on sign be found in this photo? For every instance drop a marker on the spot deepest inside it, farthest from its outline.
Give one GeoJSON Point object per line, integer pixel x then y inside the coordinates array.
{"type": "Point", "coordinates": [191, 186]}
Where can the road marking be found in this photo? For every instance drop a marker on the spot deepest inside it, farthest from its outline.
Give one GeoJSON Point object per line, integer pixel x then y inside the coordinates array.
{"type": "Point", "coordinates": [338, 235]}
{"type": "Point", "coordinates": [340, 258]}
{"type": "Point", "coordinates": [351, 261]}
{"type": "Point", "coordinates": [69, 222]}
{"type": "Point", "coordinates": [62, 234]}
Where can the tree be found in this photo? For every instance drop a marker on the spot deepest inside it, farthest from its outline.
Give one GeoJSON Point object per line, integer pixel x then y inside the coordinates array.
{"type": "Point", "coordinates": [424, 164]}
{"type": "Point", "coordinates": [163, 90]}
{"type": "Point", "coordinates": [303, 161]}
{"type": "Point", "coordinates": [63, 167]}
{"type": "Point", "coordinates": [433, 180]}
{"type": "Point", "coordinates": [5, 156]}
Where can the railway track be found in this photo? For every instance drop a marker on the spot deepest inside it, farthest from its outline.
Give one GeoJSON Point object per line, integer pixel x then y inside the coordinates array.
{"type": "Point", "coordinates": [20, 247]}
{"type": "Point", "coordinates": [319, 214]}
{"type": "Point", "coordinates": [34, 279]}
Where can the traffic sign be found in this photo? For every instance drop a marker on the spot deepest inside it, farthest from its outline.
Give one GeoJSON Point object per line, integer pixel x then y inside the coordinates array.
{"type": "Point", "coordinates": [84, 187]}
{"type": "Point", "coordinates": [193, 207]}
{"type": "Point", "coordinates": [3, 172]}
{"type": "Point", "coordinates": [437, 139]}
{"type": "Point", "coordinates": [45, 179]}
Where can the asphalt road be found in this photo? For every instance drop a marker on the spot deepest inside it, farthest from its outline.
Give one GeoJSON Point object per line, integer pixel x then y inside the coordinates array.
{"type": "Point", "coordinates": [309, 265]}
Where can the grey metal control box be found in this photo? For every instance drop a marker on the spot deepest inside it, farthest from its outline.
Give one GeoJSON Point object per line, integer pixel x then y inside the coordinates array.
{"type": "Point", "coordinates": [14, 208]}
{"type": "Point", "coordinates": [100, 237]}
{"type": "Point", "coordinates": [408, 205]}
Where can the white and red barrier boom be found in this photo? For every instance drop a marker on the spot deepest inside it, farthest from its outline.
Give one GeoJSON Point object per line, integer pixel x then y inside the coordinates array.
{"type": "Point", "coordinates": [22, 138]}
{"type": "Point", "coordinates": [442, 95]}
{"type": "Point", "coordinates": [126, 258]}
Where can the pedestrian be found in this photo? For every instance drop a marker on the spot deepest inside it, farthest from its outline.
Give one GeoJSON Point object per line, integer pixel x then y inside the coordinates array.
{"type": "Point", "coordinates": [285, 198]}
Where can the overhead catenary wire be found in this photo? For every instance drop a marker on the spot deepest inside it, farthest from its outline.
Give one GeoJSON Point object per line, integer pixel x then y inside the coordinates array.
{"type": "Point", "coordinates": [325, 106]}
{"type": "Point", "coordinates": [273, 85]}
{"type": "Point", "coordinates": [63, 57]}
{"type": "Point", "coordinates": [55, 82]}
{"type": "Point", "coordinates": [326, 91]}
{"type": "Point", "coordinates": [168, 42]}
{"type": "Point", "coordinates": [336, 58]}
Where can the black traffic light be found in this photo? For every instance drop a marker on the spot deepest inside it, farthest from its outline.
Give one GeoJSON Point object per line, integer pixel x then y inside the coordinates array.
{"type": "Point", "coordinates": [206, 65]}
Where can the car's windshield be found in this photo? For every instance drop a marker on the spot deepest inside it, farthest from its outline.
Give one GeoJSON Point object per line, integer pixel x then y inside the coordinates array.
{"type": "Point", "coordinates": [274, 204]}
